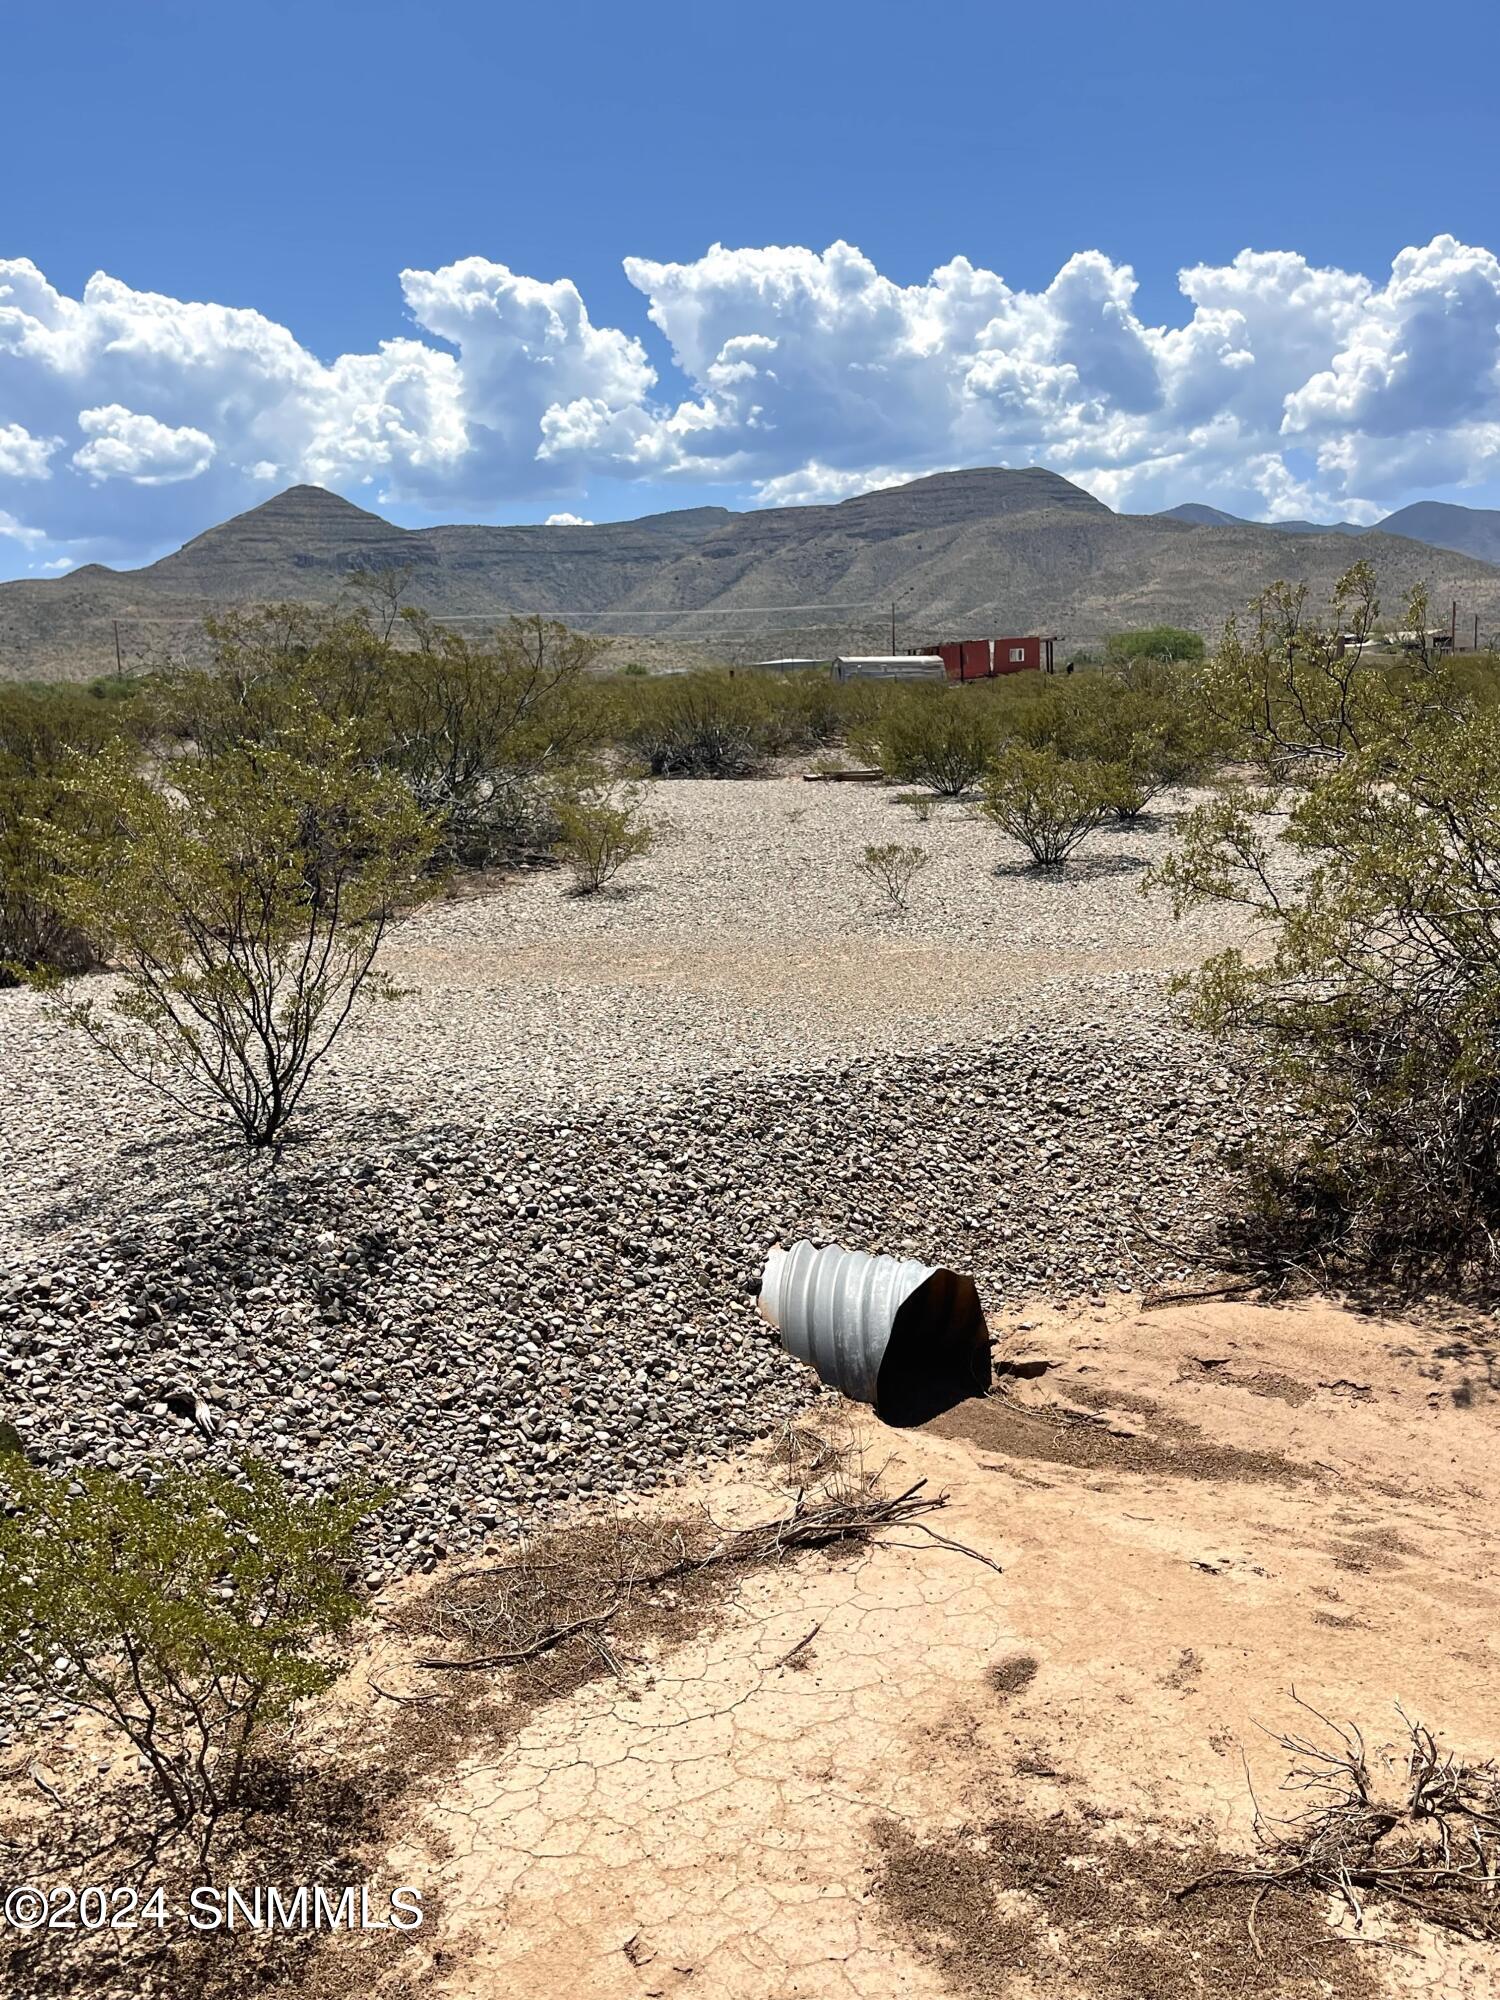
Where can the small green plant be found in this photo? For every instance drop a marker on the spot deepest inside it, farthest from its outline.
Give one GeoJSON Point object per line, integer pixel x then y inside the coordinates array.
{"type": "Point", "coordinates": [187, 1617]}
{"type": "Point", "coordinates": [893, 868]}
{"type": "Point", "coordinates": [921, 804]}
{"type": "Point", "coordinates": [1047, 802]}
{"type": "Point", "coordinates": [600, 834]}
{"type": "Point", "coordinates": [243, 904]}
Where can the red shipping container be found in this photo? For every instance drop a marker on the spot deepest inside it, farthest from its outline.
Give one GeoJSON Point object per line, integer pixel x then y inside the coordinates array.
{"type": "Point", "coordinates": [983, 659]}
{"type": "Point", "coordinates": [1018, 656]}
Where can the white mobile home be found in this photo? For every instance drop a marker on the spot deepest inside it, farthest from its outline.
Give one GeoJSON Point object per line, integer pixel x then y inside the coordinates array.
{"type": "Point", "coordinates": [891, 667]}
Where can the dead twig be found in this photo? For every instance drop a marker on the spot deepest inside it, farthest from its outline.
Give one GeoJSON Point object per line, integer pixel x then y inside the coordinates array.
{"type": "Point", "coordinates": [958, 1548]}
{"type": "Point", "coordinates": [406, 1700]}
{"type": "Point", "coordinates": [817, 1525]}
{"type": "Point", "coordinates": [801, 1646]}
{"type": "Point", "coordinates": [1234, 1288]}
{"type": "Point", "coordinates": [42, 1786]}
{"type": "Point", "coordinates": [542, 1644]}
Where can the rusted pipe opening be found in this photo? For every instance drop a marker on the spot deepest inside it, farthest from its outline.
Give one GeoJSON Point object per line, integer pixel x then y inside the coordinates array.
{"type": "Point", "coordinates": [938, 1353]}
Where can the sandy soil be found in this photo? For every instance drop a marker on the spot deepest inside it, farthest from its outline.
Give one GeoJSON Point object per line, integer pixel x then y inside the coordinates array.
{"type": "Point", "coordinates": [1255, 1500]}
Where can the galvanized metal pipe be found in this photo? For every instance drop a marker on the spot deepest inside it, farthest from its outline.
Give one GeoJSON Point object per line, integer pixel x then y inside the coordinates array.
{"type": "Point", "coordinates": [839, 1309]}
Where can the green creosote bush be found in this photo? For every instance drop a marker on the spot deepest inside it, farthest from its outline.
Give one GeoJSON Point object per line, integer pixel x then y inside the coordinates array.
{"type": "Point", "coordinates": [243, 903]}
{"type": "Point", "coordinates": [698, 726]}
{"type": "Point", "coordinates": [728, 723]}
{"type": "Point", "coordinates": [474, 726]}
{"type": "Point", "coordinates": [477, 729]}
{"type": "Point", "coordinates": [188, 1617]}
{"type": "Point", "coordinates": [35, 937]}
{"type": "Point", "coordinates": [1048, 802]}
{"type": "Point", "coordinates": [1155, 642]}
{"type": "Point", "coordinates": [1367, 856]}
{"type": "Point", "coordinates": [943, 738]}
{"type": "Point", "coordinates": [893, 868]}
{"type": "Point", "coordinates": [1146, 720]}
{"type": "Point", "coordinates": [40, 729]}
{"type": "Point", "coordinates": [600, 833]}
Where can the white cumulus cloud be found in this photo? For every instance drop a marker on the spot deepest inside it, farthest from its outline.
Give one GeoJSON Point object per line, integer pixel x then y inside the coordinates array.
{"type": "Point", "coordinates": [23, 456]}
{"type": "Point", "coordinates": [13, 530]}
{"type": "Point", "coordinates": [130, 420]}
{"type": "Point", "coordinates": [123, 444]}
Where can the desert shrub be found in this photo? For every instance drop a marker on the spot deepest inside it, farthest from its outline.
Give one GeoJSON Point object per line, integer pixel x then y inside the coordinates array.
{"type": "Point", "coordinates": [1155, 642]}
{"type": "Point", "coordinates": [1158, 730]}
{"type": "Point", "coordinates": [35, 935]}
{"type": "Point", "coordinates": [893, 868]}
{"type": "Point", "coordinates": [815, 709]}
{"type": "Point", "coordinates": [187, 1617]}
{"type": "Point", "coordinates": [473, 726]}
{"type": "Point", "coordinates": [1294, 694]}
{"type": "Point", "coordinates": [243, 905]}
{"type": "Point", "coordinates": [42, 723]}
{"type": "Point", "coordinates": [40, 730]}
{"type": "Point", "coordinates": [724, 722]}
{"type": "Point", "coordinates": [510, 820]}
{"type": "Point", "coordinates": [1148, 721]}
{"type": "Point", "coordinates": [600, 833]}
{"type": "Point", "coordinates": [266, 663]}
{"type": "Point", "coordinates": [1048, 802]}
{"type": "Point", "coordinates": [1367, 855]}
{"type": "Point", "coordinates": [938, 737]}
{"type": "Point", "coordinates": [700, 726]}
{"type": "Point", "coordinates": [1080, 719]}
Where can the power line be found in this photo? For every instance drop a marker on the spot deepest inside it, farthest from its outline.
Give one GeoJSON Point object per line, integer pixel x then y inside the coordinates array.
{"type": "Point", "coordinates": [488, 617]}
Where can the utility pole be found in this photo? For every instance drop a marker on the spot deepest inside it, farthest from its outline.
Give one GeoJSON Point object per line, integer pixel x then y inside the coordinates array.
{"type": "Point", "coordinates": [119, 670]}
{"type": "Point", "coordinates": [899, 598]}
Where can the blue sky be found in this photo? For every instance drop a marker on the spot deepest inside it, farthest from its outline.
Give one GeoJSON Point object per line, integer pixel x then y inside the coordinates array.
{"type": "Point", "coordinates": [252, 183]}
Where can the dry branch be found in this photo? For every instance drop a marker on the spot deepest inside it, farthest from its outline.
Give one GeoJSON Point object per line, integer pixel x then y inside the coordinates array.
{"type": "Point", "coordinates": [1424, 1834]}
{"type": "Point", "coordinates": [808, 1526]}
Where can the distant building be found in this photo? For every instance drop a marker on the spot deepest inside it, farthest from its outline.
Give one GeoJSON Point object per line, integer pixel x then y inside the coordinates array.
{"type": "Point", "coordinates": [984, 659]}
{"type": "Point", "coordinates": [891, 667]}
{"type": "Point", "coordinates": [1437, 639]}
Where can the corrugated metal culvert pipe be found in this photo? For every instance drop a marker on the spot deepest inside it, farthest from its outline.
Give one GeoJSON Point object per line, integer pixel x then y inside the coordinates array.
{"type": "Point", "coordinates": [908, 1337]}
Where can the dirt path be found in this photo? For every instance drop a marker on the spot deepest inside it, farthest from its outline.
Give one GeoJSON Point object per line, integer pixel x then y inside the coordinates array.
{"type": "Point", "coordinates": [1195, 1511]}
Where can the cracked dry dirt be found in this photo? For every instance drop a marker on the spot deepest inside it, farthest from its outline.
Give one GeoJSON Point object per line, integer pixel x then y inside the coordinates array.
{"type": "Point", "coordinates": [894, 1770]}
{"type": "Point", "coordinates": [1243, 1500]}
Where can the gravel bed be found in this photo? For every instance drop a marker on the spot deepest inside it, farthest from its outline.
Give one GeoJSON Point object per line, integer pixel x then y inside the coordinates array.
{"type": "Point", "coordinates": [748, 944]}
{"type": "Point", "coordinates": [497, 1319]}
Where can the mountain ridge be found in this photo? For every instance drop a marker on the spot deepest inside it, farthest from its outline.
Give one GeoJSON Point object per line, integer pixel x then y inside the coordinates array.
{"type": "Point", "coordinates": [988, 548]}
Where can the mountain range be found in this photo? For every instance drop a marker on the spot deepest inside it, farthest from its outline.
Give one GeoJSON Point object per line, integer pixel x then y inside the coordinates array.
{"type": "Point", "coordinates": [1469, 531]}
{"type": "Point", "coordinates": [988, 550]}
